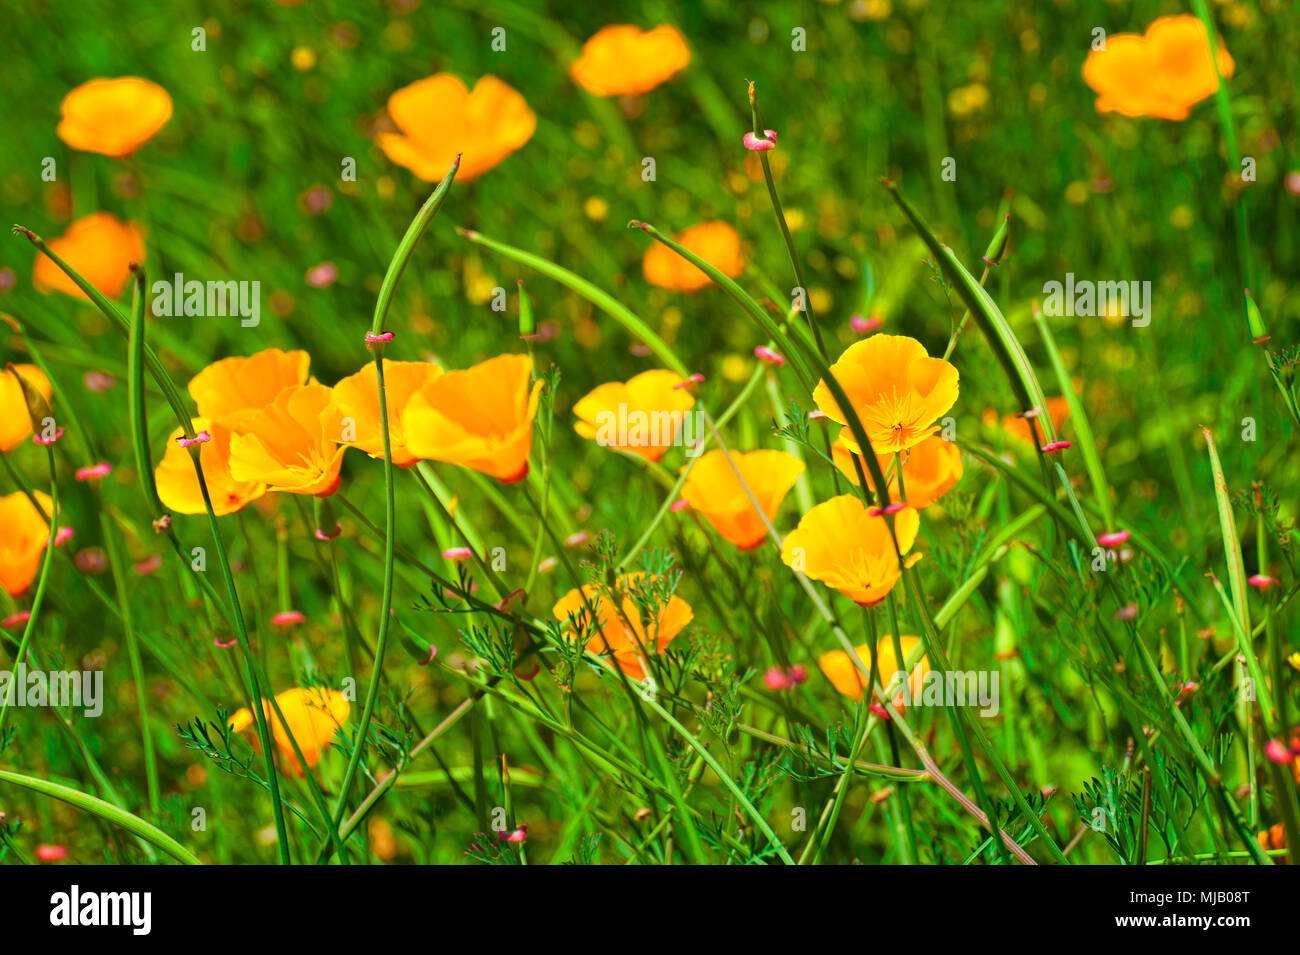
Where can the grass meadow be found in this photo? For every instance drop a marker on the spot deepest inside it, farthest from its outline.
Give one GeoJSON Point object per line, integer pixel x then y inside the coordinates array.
{"type": "Point", "coordinates": [649, 433]}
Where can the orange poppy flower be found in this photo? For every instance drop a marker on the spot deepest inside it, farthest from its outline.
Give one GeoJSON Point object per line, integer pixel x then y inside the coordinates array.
{"type": "Point", "coordinates": [178, 485]}
{"type": "Point", "coordinates": [713, 489]}
{"type": "Point", "coordinates": [230, 391]}
{"type": "Point", "coordinates": [100, 248]}
{"type": "Point", "coordinates": [841, 544]}
{"type": "Point", "coordinates": [114, 117]}
{"type": "Point", "coordinates": [642, 416]}
{"type": "Point", "coordinates": [715, 242]}
{"type": "Point", "coordinates": [313, 716]}
{"type": "Point", "coordinates": [1022, 429]}
{"type": "Point", "coordinates": [289, 445]}
{"type": "Point", "coordinates": [897, 390]}
{"type": "Point", "coordinates": [479, 418]}
{"type": "Point", "coordinates": [1161, 73]}
{"type": "Point", "coordinates": [625, 60]}
{"type": "Point", "coordinates": [614, 624]}
{"type": "Point", "coordinates": [357, 398]}
{"type": "Point", "coordinates": [930, 469]}
{"type": "Point", "coordinates": [23, 536]}
{"type": "Point", "coordinates": [439, 117]}
{"type": "Point", "coordinates": [15, 419]}
{"type": "Point", "coordinates": [844, 674]}
{"type": "Point", "coordinates": [1272, 838]}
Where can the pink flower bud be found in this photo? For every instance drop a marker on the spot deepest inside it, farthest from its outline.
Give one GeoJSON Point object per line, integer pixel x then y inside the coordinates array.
{"type": "Point", "coordinates": [1112, 538]}
{"type": "Point", "coordinates": [99, 470]}
{"type": "Point", "coordinates": [286, 618]}
{"type": "Point", "coordinates": [756, 144]}
{"type": "Point", "coordinates": [769, 356]}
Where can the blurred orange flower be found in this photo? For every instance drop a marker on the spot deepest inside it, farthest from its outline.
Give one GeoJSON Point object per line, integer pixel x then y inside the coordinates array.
{"type": "Point", "coordinates": [23, 536]}
{"type": "Point", "coordinates": [100, 248]}
{"type": "Point", "coordinates": [715, 242]}
{"type": "Point", "coordinates": [113, 116]}
{"type": "Point", "coordinates": [930, 469]}
{"type": "Point", "coordinates": [713, 490]}
{"type": "Point", "coordinates": [479, 418]}
{"type": "Point", "coordinates": [1161, 73]}
{"type": "Point", "coordinates": [844, 674]}
{"type": "Point", "coordinates": [841, 544]}
{"type": "Point", "coordinates": [439, 117]}
{"type": "Point", "coordinates": [614, 623]}
{"type": "Point", "coordinates": [288, 445]}
{"type": "Point", "coordinates": [178, 485]}
{"type": "Point", "coordinates": [312, 717]}
{"type": "Point", "coordinates": [1030, 432]}
{"type": "Point", "coordinates": [642, 416]}
{"type": "Point", "coordinates": [897, 390]}
{"type": "Point", "coordinates": [230, 391]}
{"type": "Point", "coordinates": [15, 419]}
{"type": "Point", "coordinates": [624, 60]}
{"type": "Point", "coordinates": [357, 398]}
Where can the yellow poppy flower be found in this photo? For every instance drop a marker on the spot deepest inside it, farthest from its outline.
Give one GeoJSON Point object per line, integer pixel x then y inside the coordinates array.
{"type": "Point", "coordinates": [354, 419]}
{"type": "Point", "coordinates": [1030, 432]}
{"type": "Point", "coordinates": [312, 715]}
{"type": "Point", "coordinates": [100, 248]}
{"type": "Point", "coordinates": [614, 625]}
{"type": "Point", "coordinates": [15, 420]}
{"type": "Point", "coordinates": [1161, 73]}
{"type": "Point", "coordinates": [841, 544]}
{"type": "Point", "coordinates": [897, 390]}
{"type": "Point", "coordinates": [930, 469]}
{"type": "Point", "coordinates": [288, 444]}
{"type": "Point", "coordinates": [713, 490]}
{"type": "Point", "coordinates": [715, 242]}
{"type": "Point", "coordinates": [178, 485]}
{"type": "Point", "coordinates": [845, 676]}
{"type": "Point", "coordinates": [230, 391]}
{"type": "Point", "coordinates": [623, 60]}
{"type": "Point", "coordinates": [113, 116]}
{"type": "Point", "coordinates": [439, 117]}
{"type": "Point", "coordinates": [23, 536]}
{"type": "Point", "coordinates": [479, 418]}
{"type": "Point", "coordinates": [642, 416]}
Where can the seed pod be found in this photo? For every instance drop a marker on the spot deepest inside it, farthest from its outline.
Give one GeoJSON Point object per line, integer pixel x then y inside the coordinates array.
{"type": "Point", "coordinates": [527, 323]}
{"type": "Point", "coordinates": [998, 247]}
{"type": "Point", "coordinates": [1258, 331]}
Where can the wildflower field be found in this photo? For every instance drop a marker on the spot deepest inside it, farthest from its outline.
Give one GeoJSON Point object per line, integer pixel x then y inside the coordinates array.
{"type": "Point", "coordinates": [664, 433]}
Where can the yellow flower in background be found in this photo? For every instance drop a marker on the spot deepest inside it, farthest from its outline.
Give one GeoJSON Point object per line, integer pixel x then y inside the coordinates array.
{"type": "Point", "coordinates": [849, 550]}
{"type": "Point", "coordinates": [357, 398]}
{"type": "Point", "coordinates": [230, 391]}
{"type": "Point", "coordinates": [288, 445]}
{"type": "Point", "coordinates": [897, 390]}
{"type": "Point", "coordinates": [15, 419]}
{"type": "Point", "coordinates": [625, 60]}
{"type": "Point", "coordinates": [23, 536]}
{"type": "Point", "coordinates": [715, 242]}
{"type": "Point", "coordinates": [100, 248]}
{"type": "Point", "coordinates": [642, 416]}
{"type": "Point", "coordinates": [713, 489]}
{"type": "Point", "coordinates": [930, 470]}
{"type": "Point", "coordinates": [113, 116]}
{"type": "Point", "coordinates": [178, 485]}
{"type": "Point", "coordinates": [479, 418]}
{"type": "Point", "coordinates": [1161, 73]}
{"type": "Point", "coordinates": [312, 717]}
{"type": "Point", "coordinates": [845, 676]}
{"type": "Point", "coordinates": [439, 117]}
{"type": "Point", "coordinates": [1023, 429]}
{"type": "Point", "coordinates": [613, 624]}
